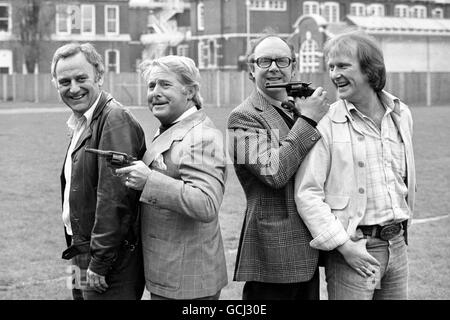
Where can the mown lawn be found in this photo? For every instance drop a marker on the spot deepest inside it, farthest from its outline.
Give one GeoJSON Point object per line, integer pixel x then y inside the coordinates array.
{"type": "Point", "coordinates": [32, 150]}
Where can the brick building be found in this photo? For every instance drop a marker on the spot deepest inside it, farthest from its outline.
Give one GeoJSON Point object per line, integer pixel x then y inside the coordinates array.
{"type": "Point", "coordinates": [123, 31]}
{"type": "Point", "coordinates": [417, 29]}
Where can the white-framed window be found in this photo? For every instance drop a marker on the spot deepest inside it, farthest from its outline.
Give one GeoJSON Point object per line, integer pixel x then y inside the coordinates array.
{"type": "Point", "coordinates": [311, 7]}
{"type": "Point", "coordinates": [375, 10]}
{"type": "Point", "coordinates": [418, 12]}
{"type": "Point", "coordinates": [6, 59]}
{"type": "Point", "coordinates": [201, 16]}
{"type": "Point", "coordinates": [112, 61]}
{"type": "Point", "coordinates": [401, 10]}
{"type": "Point", "coordinates": [183, 50]}
{"type": "Point", "coordinates": [87, 19]}
{"type": "Point", "coordinates": [330, 11]}
{"type": "Point", "coordinates": [63, 20]}
{"type": "Point", "coordinates": [207, 53]}
{"type": "Point", "coordinates": [309, 56]}
{"type": "Point", "coordinates": [268, 5]}
{"type": "Point", "coordinates": [437, 13]}
{"type": "Point", "coordinates": [357, 9]}
{"type": "Point", "coordinates": [111, 20]}
{"type": "Point", "coordinates": [5, 17]}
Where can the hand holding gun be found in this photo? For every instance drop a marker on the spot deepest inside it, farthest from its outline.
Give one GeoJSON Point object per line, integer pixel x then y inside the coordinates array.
{"type": "Point", "coordinates": [115, 159]}
{"type": "Point", "coordinates": [295, 89]}
{"type": "Point", "coordinates": [313, 108]}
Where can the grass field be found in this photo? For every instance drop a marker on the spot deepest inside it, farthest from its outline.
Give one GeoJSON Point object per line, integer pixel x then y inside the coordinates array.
{"type": "Point", "coordinates": [32, 151]}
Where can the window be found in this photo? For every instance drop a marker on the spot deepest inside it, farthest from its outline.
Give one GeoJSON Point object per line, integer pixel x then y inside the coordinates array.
{"type": "Point", "coordinates": [112, 61]}
{"type": "Point", "coordinates": [437, 13]}
{"type": "Point", "coordinates": [6, 61]}
{"type": "Point", "coordinates": [201, 16]}
{"type": "Point", "coordinates": [357, 9]}
{"type": "Point", "coordinates": [309, 56]}
{"type": "Point", "coordinates": [311, 7]}
{"type": "Point", "coordinates": [87, 19]}
{"type": "Point", "coordinates": [375, 10]}
{"type": "Point", "coordinates": [67, 19]}
{"type": "Point", "coordinates": [268, 5]}
{"type": "Point", "coordinates": [111, 20]}
{"type": "Point", "coordinates": [63, 19]}
{"type": "Point", "coordinates": [5, 17]}
{"type": "Point", "coordinates": [330, 11]}
{"type": "Point", "coordinates": [418, 12]}
{"type": "Point", "coordinates": [207, 54]}
{"type": "Point", "coordinates": [401, 10]}
{"type": "Point", "coordinates": [183, 50]}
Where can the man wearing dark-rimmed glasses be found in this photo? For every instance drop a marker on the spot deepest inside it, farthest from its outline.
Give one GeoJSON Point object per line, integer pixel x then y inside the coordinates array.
{"type": "Point", "coordinates": [267, 145]}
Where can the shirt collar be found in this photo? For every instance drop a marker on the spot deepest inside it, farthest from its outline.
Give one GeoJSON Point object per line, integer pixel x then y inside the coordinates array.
{"type": "Point", "coordinates": [186, 114]}
{"type": "Point", "coordinates": [73, 121]}
{"type": "Point", "coordinates": [390, 102]}
{"type": "Point", "coordinates": [276, 103]}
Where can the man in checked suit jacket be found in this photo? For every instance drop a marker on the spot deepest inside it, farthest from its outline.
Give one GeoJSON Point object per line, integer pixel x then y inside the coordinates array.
{"type": "Point", "coordinates": [182, 189]}
{"type": "Point", "coordinates": [268, 143]}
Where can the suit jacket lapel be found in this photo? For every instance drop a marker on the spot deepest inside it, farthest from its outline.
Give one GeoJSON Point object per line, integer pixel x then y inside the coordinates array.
{"type": "Point", "coordinates": [175, 133]}
{"type": "Point", "coordinates": [270, 115]}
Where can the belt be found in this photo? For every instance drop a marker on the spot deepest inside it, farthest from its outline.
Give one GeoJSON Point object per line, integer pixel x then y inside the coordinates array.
{"type": "Point", "coordinates": [386, 232]}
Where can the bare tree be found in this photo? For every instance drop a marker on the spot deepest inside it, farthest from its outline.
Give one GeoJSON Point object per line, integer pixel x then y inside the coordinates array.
{"type": "Point", "coordinates": [33, 21]}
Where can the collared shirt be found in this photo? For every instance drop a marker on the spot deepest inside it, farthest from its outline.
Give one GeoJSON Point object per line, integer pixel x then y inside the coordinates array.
{"type": "Point", "coordinates": [77, 125]}
{"type": "Point", "coordinates": [185, 114]}
{"type": "Point", "coordinates": [276, 103]}
{"type": "Point", "coordinates": [385, 167]}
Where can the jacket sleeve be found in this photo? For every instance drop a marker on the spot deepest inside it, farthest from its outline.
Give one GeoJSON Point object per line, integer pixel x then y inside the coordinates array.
{"type": "Point", "coordinates": [198, 192]}
{"type": "Point", "coordinates": [117, 205]}
{"type": "Point", "coordinates": [261, 152]}
{"type": "Point", "coordinates": [326, 229]}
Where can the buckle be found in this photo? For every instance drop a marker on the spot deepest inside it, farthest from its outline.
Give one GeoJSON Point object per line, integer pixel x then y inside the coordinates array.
{"type": "Point", "coordinates": [390, 231]}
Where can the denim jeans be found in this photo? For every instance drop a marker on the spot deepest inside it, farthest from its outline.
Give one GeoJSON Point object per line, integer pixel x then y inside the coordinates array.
{"type": "Point", "coordinates": [390, 282]}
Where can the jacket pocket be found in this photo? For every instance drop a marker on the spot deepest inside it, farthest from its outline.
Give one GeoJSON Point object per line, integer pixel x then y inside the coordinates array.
{"type": "Point", "coordinates": [163, 263]}
{"type": "Point", "coordinates": [337, 202]}
{"type": "Point", "coordinates": [339, 207]}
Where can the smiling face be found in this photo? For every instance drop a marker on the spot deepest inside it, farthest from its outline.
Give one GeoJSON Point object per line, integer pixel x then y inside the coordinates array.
{"type": "Point", "coordinates": [273, 48]}
{"type": "Point", "coordinates": [167, 98]}
{"type": "Point", "coordinates": [346, 74]}
{"type": "Point", "coordinates": [76, 82]}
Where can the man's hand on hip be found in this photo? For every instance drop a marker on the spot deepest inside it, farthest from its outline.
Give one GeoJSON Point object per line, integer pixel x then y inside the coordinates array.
{"type": "Point", "coordinates": [356, 255]}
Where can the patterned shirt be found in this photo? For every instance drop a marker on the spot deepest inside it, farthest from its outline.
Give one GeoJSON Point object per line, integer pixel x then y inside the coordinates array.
{"type": "Point", "coordinates": [386, 169]}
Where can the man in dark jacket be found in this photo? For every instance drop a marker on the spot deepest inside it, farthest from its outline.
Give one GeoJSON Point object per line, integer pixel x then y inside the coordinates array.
{"type": "Point", "coordinates": [100, 214]}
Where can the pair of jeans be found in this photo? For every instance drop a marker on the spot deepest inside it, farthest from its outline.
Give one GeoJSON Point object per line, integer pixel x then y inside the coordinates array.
{"type": "Point", "coordinates": [390, 282]}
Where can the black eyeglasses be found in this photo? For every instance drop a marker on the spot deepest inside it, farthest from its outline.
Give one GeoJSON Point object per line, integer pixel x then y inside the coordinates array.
{"type": "Point", "coordinates": [265, 62]}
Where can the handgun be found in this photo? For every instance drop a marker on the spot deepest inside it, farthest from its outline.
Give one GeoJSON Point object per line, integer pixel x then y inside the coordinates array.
{"type": "Point", "coordinates": [115, 159]}
{"type": "Point", "coordinates": [294, 89]}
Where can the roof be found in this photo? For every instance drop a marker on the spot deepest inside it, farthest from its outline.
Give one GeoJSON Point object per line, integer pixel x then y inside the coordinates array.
{"type": "Point", "coordinates": [333, 29]}
{"type": "Point", "coordinates": [318, 19]}
{"type": "Point", "coordinates": [152, 4]}
{"type": "Point", "coordinates": [396, 25]}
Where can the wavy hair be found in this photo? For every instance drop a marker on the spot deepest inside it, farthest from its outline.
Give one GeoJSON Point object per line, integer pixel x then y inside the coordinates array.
{"type": "Point", "coordinates": [71, 49]}
{"type": "Point", "coordinates": [185, 69]}
{"type": "Point", "coordinates": [366, 50]}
